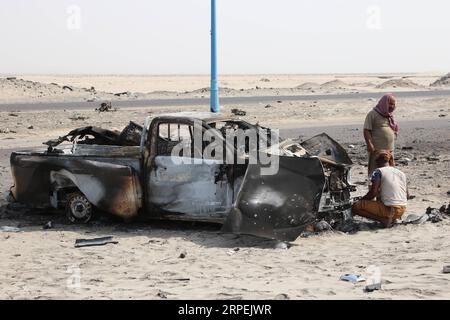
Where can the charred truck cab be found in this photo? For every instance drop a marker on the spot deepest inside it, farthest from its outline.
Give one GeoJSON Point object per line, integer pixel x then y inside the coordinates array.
{"type": "Point", "coordinates": [159, 171]}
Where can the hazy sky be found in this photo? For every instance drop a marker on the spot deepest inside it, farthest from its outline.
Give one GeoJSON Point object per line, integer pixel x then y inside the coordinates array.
{"type": "Point", "coordinates": [255, 36]}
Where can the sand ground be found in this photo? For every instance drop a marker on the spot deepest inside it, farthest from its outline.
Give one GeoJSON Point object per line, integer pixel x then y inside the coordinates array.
{"type": "Point", "coordinates": [146, 263]}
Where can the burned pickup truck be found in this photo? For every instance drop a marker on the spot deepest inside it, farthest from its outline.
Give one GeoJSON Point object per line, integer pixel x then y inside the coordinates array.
{"type": "Point", "coordinates": [168, 169]}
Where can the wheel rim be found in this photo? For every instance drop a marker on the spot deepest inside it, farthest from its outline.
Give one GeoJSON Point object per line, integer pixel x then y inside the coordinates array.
{"type": "Point", "coordinates": [80, 208]}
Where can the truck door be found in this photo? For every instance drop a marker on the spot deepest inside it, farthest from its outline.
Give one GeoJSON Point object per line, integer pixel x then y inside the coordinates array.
{"type": "Point", "coordinates": [176, 185]}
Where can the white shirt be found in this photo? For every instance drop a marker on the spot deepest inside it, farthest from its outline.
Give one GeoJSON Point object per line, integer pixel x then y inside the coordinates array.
{"type": "Point", "coordinates": [393, 186]}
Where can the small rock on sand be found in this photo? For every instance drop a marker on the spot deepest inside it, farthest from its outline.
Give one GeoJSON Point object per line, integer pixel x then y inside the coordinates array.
{"type": "Point", "coordinates": [282, 296]}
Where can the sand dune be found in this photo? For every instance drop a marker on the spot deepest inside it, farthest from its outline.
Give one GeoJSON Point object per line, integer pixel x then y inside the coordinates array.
{"type": "Point", "coordinates": [399, 83]}
{"type": "Point", "coordinates": [26, 88]}
{"type": "Point", "coordinates": [442, 82]}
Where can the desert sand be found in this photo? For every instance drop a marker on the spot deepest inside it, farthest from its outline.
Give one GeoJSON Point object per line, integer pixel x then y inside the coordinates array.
{"type": "Point", "coordinates": [31, 88]}
{"type": "Point", "coordinates": [147, 263]}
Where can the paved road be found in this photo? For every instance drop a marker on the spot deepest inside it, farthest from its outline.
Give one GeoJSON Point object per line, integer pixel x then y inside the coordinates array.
{"type": "Point", "coordinates": [434, 132]}
{"type": "Point", "coordinates": [205, 101]}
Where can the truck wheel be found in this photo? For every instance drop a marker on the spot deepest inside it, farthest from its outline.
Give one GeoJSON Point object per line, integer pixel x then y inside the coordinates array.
{"type": "Point", "coordinates": [78, 208]}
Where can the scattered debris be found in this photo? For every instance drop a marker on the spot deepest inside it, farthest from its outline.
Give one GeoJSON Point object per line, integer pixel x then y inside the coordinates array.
{"type": "Point", "coordinates": [306, 234]}
{"type": "Point", "coordinates": [353, 278]}
{"type": "Point", "coordinates": [322, 226]}
{"type": "Point", "coordinates": [264, 80]}
{"type": "Point", "coordinates": [442, 115]}
{"type": "Point", "coordinates": [434, 215]}
{"type": "Point", "coordinates": [352, 146]}
{"type": "Point", "coordinates": [232, 251]}
{"type": "Point", "coordinates": [13, 115]}
{"type": "Point", "coordinates": [106, 107]}
{"type": "Point", "coordinates": [6, 131]}
{"type": "Point", "coordinates": [11, 78]}
{"type": "Point", "coordinates": [128, 93]}
{"type": "Point", "coordinates": [349, 226]}
{"type": "Point", "coordinates": [67, 88]}
{"type": "Point", "coordinates": [446, 269]}
{"type": "Point", "coordinates": [415, 219]}
{"type": "Point", "coordinates": [268, 106]}
{"type": "Point", "coordinates": [258, 88]}
{"type": "Point", "coordinates": [30, 127]}
{"type": "Point", "coordinates": [162, 295]}
{"type": "Point", "coordinates": [183, 255]}
{"type": "Point", "coordinates": [282, 245]}
{"type": "Point", "coordinates": [9, 229]}
{"type": "Point", "coordinates": [433, 158]}
{"type": "Point", "coordinates": [372, 287]}
{"type": "Point", "coordinates": [279, 101]}
{"type": "Point", "coordinates": [79, 243]}
{"type": "Point", "coordinates": [238, 112]}
{"type": "Point", "coordinates": [48, 225]}
{"type": "Point", "coordinates": [407, 148]}
{"type": "Point", "coordinates": [404, 161]}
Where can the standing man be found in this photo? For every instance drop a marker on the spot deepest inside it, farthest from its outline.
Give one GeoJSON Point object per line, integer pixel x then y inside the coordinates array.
{"type": "Point", "coordinates": [390, 187]}
{"type": "Point", "coordinates": [380, 129]}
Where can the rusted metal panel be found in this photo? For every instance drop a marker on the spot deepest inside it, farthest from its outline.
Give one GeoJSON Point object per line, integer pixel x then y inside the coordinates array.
{"type": "Point", "coordinates": [325, 147]}
{"type": "Point", "coordinates": [278, 206]}
{"type": "Point", "coordinates": [111, 187]}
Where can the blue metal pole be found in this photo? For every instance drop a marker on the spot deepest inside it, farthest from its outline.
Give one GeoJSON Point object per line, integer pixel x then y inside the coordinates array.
{"type": "Point", "coordinates": [215, 106]}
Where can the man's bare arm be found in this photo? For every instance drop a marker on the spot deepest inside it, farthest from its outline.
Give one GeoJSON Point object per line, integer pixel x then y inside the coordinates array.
{"type": "Point", "coordinates": [369, 140]}
{"type": "Point", "coordinates": [373, 192]}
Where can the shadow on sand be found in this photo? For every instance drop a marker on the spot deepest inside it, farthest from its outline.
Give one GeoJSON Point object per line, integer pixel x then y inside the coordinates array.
{"type": "Point", "coordinates": [204, 234]}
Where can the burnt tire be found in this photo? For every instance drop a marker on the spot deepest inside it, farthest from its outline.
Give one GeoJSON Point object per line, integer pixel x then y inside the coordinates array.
{"type": "Point", "coordinates": [78, 208]}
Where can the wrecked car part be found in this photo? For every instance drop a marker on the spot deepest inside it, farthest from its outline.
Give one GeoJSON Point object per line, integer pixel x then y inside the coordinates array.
{"type": "Point", "coordinates": [48, 226]}
{"type": "Point", "coordinates": [189, 189]}
{"type": "Point", "coordinates": [280, 206]}
{"type": "Point", "coordinates": [78, 208]}
{"type": "Point", "coordinates": [105, 107]}
{"type": "Point", "coordinates": [373, 287]}
{"type": "Point", "coordinates": [353, 278]}
{"type": "Point", "coordinates": [415, 219]}
{"type": "Point", "coordinates": [238, 112]}
{"type": "Point", "coordinates": [325, 147]}
{"type": "Point", "coordinates": [123, 172]}
{"type": "Point", "coordinates": [130, 136]}
{"type": "Point", "coordinates": [111, 187]}
{"type": "Point", "coordinates": [9, 229]}
{"type": "Point", "coordinates": [80, 243]}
